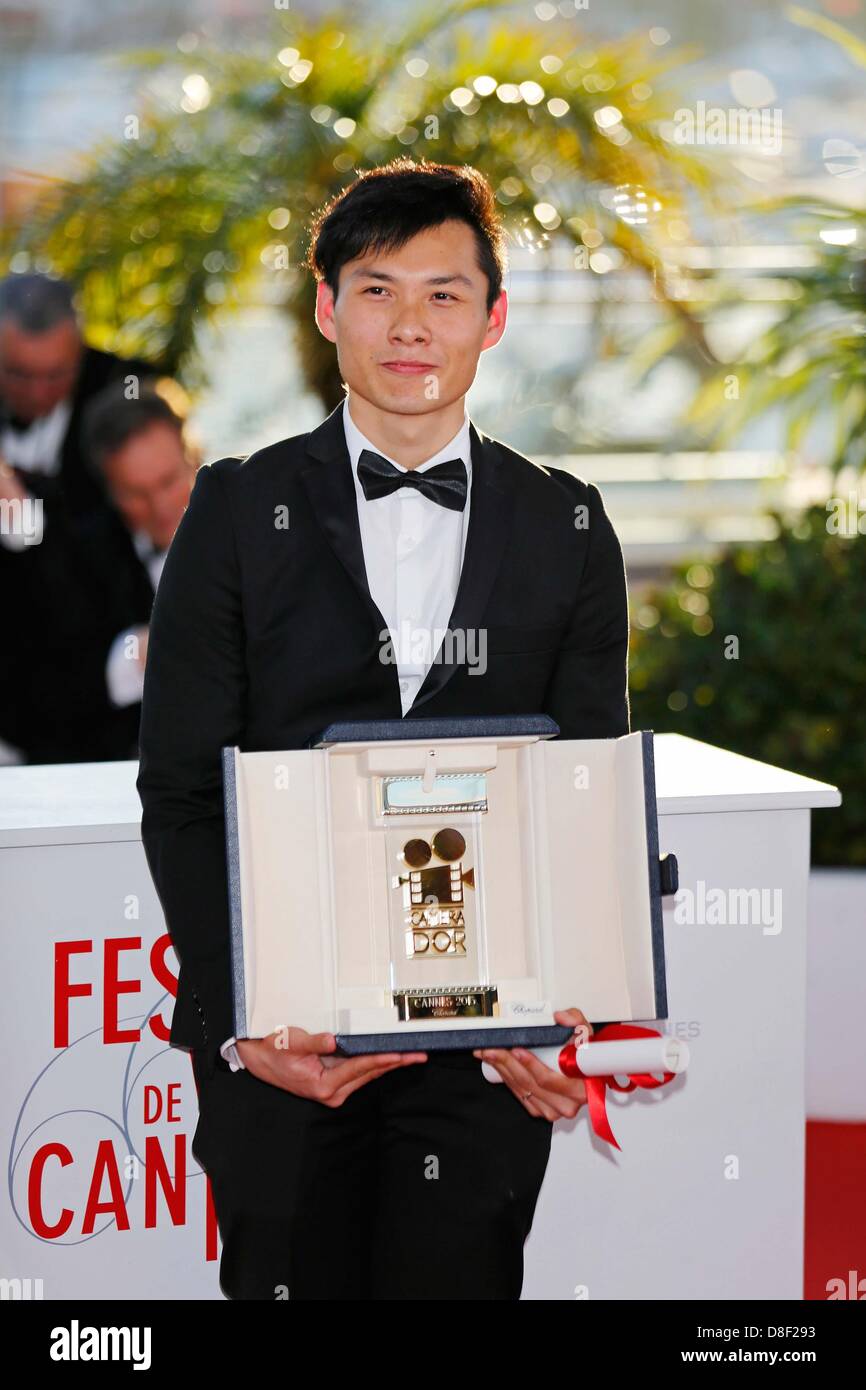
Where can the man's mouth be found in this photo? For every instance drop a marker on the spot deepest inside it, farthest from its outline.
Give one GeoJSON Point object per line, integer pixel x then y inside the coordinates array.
{"type": "Point", "coordinates": [408, 368]}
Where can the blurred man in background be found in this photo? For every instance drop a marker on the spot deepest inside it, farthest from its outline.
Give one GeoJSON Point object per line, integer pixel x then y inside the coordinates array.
{"type": "Point", "coordinates": [147, 467]}
{"type": "Point", "coordinates": [47, 376]}
{"type": "Point", "coordinates": [74, 691]}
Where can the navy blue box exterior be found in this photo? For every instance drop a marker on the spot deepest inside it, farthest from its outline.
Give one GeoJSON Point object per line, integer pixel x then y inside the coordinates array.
{"type": "Point", "coordinates": [233, 862]}
{"type": "Point", "coordinates": [473, 726]}
{"type": "Point", "coordinates": [655, 883]}
{"type": "Point", "coordinates": [455, 1040]}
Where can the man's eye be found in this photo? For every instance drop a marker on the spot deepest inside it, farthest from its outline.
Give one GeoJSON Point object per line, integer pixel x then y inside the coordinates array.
{"type": "Point", "coordinates": [445, 294]}
{"type": "Point", "coordinates": [371, 288]}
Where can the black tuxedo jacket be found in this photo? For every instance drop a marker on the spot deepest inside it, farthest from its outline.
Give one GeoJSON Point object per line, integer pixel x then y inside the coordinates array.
{"type": "Point", "coordinates": [78, 590]}
{"type": "Point", "coordinates": [67, 598]}
{"type": "Point", "coordinates": [263, 633]}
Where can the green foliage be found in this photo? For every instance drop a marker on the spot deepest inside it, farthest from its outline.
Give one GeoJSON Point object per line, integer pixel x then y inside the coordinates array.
{"type": "Point", "coordinates": [813, 357]}
{"type": "Point", "coordinates": [167, 226]}
{"type": "Point", "coordinates": [793, 695]}
{"type": "Point", "coordinates": [810, 363]}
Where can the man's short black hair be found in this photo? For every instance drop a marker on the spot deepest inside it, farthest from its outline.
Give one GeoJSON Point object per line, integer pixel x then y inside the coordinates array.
{"type": "Point", "coordinates": [385, 207]}
{"type": "Point", "coordinates": [111, 419]}
{"type": "Point", "coordinates": [36, 302]}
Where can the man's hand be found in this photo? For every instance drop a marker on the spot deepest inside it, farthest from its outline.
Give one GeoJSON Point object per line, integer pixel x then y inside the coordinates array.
{"type": "Point", "coordinates": [298, 1061]}
{"type": "Point", "coordinates": [143, 633]}
{"type": "Point", "coordinates": [11, 488]}
{"type": "Point", "coordinates": [540, 1090]}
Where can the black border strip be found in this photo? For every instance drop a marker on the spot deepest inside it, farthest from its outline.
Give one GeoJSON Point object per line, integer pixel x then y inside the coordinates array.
{"type": "Point", "coordinates": [468, 726]}
{"type": "Point", "coordinates": [233, 860]}
{"type": "Point", "coordinates": [454, 1040]}
{"type": "Point", "coordinates": [655, 887]}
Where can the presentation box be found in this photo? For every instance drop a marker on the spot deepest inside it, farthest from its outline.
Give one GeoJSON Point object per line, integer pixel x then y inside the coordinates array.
{"type": "Point", "coordinates": [445, 884]}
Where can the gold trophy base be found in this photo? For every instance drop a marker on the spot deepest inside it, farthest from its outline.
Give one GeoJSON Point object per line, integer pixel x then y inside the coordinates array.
{"type": "Point", "coordinates": [465, 1001]}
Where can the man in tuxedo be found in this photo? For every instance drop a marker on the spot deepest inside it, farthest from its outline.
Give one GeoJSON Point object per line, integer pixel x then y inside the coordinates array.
{"type": "Point", "coordinates": [49, 700]}
{"type": "Point", "coordinates": [79, 693]}
{"type": "Point", "coordinates": [138, 448]}
{"type": "Point", "coordinates": [291, 582]}
{"type": "Point", "coordinates": [47, 376]}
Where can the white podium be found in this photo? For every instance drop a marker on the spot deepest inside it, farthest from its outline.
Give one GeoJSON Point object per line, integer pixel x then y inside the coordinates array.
{"type": "Point", "coordinates": [705, 1200]}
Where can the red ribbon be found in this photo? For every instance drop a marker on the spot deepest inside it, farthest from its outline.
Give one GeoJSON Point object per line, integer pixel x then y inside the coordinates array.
{"type": "Point", "coordinates": [596, 1086]}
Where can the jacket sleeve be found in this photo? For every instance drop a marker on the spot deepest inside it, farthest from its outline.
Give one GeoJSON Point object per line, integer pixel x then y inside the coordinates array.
{"type": "Point", "coordinates": [588, 691]}
{"type": "Point", "coordinates": [57, 633]}
{"type": "Point", "coordinates": [193, 704]}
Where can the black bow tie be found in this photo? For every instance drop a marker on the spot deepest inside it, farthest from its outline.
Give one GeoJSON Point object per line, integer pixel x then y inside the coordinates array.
{"type": "Point", "coordinates": [445, 483]}
{"type": "Point", "coordinates": [17, 424]}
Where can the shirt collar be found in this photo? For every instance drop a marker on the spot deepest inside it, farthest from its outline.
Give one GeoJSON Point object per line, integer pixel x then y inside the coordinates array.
{"type": "Point", "coordinates": [145, 545]}
{"type": "Point", "coordinates": [458, 447]}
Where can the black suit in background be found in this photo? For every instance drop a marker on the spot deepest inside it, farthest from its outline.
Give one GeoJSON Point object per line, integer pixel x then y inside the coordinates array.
{"type": "Point", "coordinates": [65, 599]}
{"type": "Point", "coordinates": [75, 486]}
{"type": "Point", "coordinates": [78, 592]}
{"type": "Point", "coordinates": [260, 637]}
{"type": "Point", "coordinates": [80, 595]}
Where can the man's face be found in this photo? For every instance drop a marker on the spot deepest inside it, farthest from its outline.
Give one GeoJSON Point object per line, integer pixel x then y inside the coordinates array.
{"type": "Point", "coordinates": [410, 325]}
{"type": "Point", "coordinates": [37, 370]}
{"type": "Point", "coordinates": [149, 480]}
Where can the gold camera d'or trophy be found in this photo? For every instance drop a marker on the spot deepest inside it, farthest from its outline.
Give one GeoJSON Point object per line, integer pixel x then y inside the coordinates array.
{"type": "Point", "coordinates": [433, 919]}
{"type": "Point", "coordinates": [445, 884]}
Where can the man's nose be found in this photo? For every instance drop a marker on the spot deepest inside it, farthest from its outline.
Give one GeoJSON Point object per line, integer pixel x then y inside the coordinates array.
{"type": "Point", "coordinates": [410, 325]}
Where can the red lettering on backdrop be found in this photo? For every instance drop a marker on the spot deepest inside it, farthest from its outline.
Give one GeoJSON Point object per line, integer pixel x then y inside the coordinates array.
{"type": "Point", "coordinates": [113, 987]}
{"type": "Point", "coordinates": [152, 1101]}
{"type": "Point", "coordinates": [211, 1228]}
{"type": "Point", "coordinates": [34, 1192]}
{"type": "Point", "coordinates": [160, 1179]}
{"type": "Point", "coordinates": [156, 1170]}
{"type": "Point", "coordinates": [157, 1173]}
{"type": "Point", "coordinates": [64, 990]}
{"type": "Point", "coordinates": [105, 1163]}
{"type": "Point", "coordinates": [163, 976]}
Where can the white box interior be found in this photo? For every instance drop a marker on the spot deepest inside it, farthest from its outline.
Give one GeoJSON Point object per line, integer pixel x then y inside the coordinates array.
{"type": "Point", "coordinates": [562, 878]}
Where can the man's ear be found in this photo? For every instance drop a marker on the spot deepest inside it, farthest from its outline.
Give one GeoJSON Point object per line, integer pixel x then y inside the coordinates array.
{"type": "Point", "coordinates": [496, 321]}
{"type": "Point", "coordinates": [325, 311]}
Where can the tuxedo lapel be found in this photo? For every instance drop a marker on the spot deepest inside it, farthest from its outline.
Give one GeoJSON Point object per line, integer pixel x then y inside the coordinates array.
{"type": "Point", "coordinates": [331, 490]}
{"type": "Point", "coordinates": [491, 506]}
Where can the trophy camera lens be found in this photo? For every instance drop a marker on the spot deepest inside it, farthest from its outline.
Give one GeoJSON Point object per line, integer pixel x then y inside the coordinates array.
{"type": "Point", "coordinates": [417, 853]}
{"type": "Point", "coordinates": [448, 845]}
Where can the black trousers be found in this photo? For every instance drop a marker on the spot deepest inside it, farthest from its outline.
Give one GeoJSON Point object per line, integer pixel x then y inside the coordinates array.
{"type": "Point", "coordinates": [422, 1185]}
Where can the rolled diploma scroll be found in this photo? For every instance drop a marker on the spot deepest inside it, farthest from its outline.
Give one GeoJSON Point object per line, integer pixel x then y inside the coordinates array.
{"type": "Point", "coordinates": [626, 1056]}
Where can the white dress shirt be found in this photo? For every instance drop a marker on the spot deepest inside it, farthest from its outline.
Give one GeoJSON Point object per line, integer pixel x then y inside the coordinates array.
{"type": "Point", "coordinates": [413, 554]}
{"type": "Point", "coordinates": [124, 676]}
{"type": "Point", "coordinates": [38, 446]}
